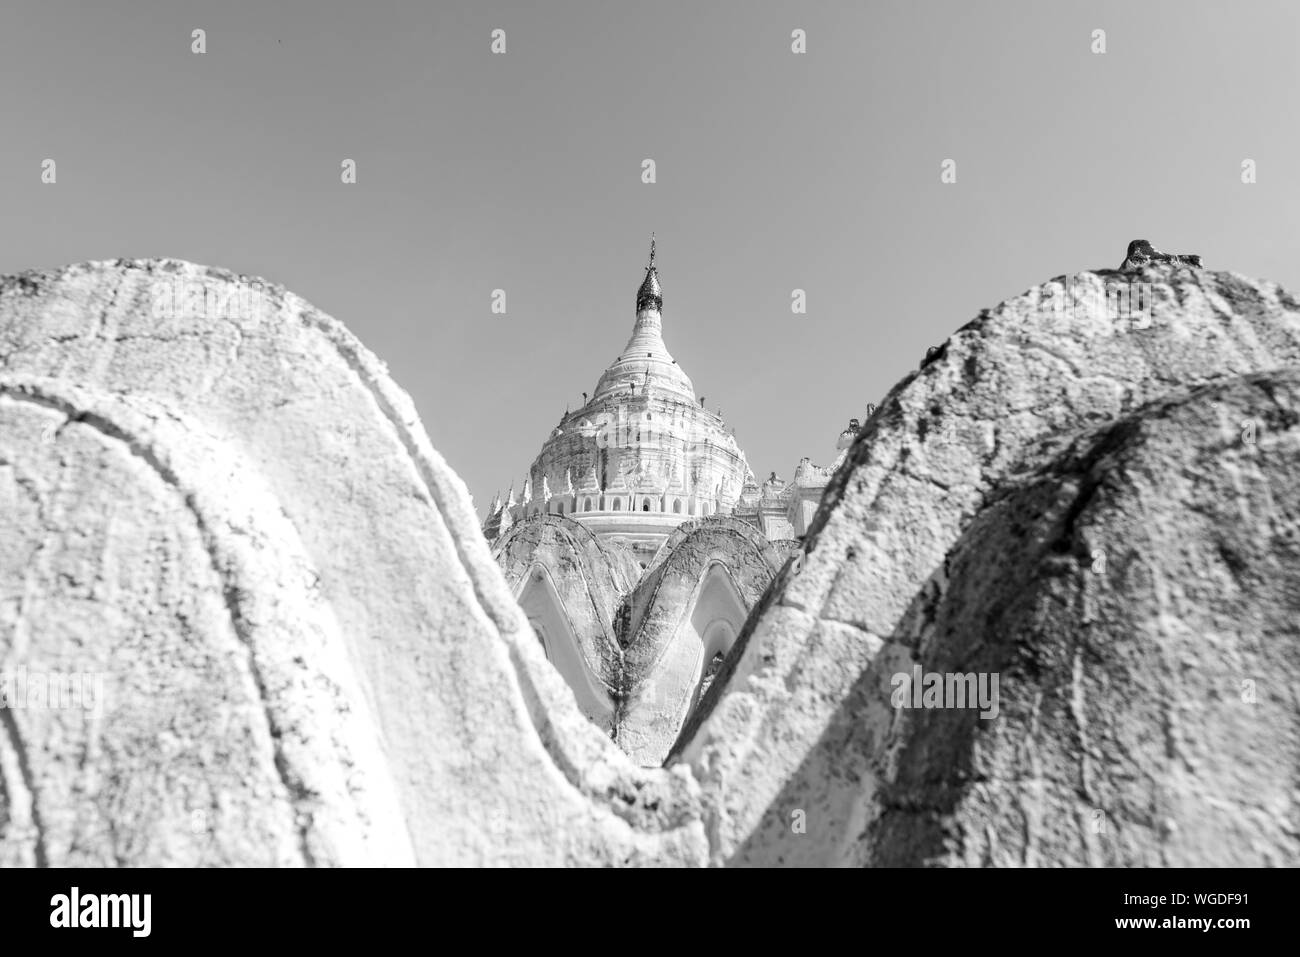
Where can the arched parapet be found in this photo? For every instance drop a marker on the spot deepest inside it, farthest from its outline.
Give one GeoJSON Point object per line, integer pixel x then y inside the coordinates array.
{"type": "Point", "coordinates": [717, 525]}
{"type": "Point", "coordinates": [621, 570]}
{"type": "Point", "coordinates": [360, 527]}
{"type": "Point", "coordinates": [686, 612]}
{"type": "Point", "coordinates": [172, 606]}
{"type": "Point", "coordinates": [959, 536]}
{"type": "Point", "coordinates": [569, 586]}
{"type": "Point", "coordinates": [998, 401]}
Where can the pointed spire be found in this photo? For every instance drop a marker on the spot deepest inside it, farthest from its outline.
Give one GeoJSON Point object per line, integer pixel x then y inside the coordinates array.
{"type": "Point", "coordinates": [496, 503]}
{"type": "Point", "coordinates": [650, 295]}
{"type": "Point", "coordinates": [528, 490]}
{"type": "Point", "coordinates": [546, 490]}
{"type": "Point", "coordinates": [645, 352]}
{"type": "Point", "coordinates": [679, 472]}
{"type": "Point", "coordinates": [619, 481]}
{"type": "Point", "coordinates": [510, 497]}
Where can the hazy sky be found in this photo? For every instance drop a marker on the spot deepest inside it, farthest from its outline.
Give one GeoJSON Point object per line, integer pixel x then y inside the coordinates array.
{"type": "Point", "coordinates": [775, 171]}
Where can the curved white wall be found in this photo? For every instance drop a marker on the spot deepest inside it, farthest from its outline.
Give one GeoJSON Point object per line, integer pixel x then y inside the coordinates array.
{"type": "Point", "coordinates": [541, 603]}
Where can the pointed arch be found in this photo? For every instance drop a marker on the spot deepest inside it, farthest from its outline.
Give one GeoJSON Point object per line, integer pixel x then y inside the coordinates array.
{"type": "Point", "coordinates": [545, 609]}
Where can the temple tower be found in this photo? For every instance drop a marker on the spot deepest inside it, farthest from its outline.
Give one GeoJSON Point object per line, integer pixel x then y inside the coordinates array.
{"type": "Point", "coordinates": [642, 455]}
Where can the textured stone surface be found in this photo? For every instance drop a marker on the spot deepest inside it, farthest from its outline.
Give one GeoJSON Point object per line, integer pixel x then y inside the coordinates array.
{"type": "Point", "coordinates": [240, 523]}
{"type": "Point", "coordinates": [806, 724]}
{"type": "Point", "coordinates": [1140, 599]}
{"type": "Point", "coordinates": [135, 546]}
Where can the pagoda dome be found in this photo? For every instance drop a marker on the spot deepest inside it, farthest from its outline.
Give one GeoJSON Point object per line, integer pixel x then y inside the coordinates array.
{"type": "Point", "coordinates": [646, 454]}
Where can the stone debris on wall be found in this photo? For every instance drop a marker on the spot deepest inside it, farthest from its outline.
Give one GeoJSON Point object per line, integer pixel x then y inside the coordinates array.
{"type": "Point", "coordinates": [307, 653]}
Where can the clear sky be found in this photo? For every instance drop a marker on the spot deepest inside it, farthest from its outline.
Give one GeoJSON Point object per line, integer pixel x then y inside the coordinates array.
{"type": "Point", "coordinates": [775, 171]}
